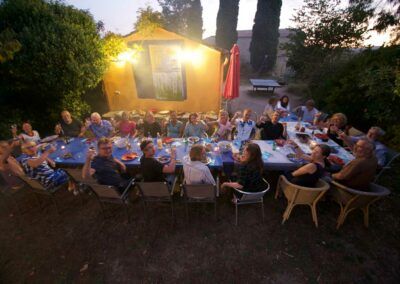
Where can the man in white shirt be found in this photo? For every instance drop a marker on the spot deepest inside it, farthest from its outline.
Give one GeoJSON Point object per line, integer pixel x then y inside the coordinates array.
{"type": "Point", "coordinates": [197, 172]}
{"type": "Point", "coordinates": [307, 112]}
{"type": "Point", "coordinates": [245, 126]}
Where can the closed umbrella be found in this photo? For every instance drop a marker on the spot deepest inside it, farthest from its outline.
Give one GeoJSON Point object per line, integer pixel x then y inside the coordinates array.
{"type": "Point", "coordinates": [231, 89]}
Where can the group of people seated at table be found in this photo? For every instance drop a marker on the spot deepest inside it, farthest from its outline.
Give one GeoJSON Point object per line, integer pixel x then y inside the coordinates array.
{"type": "Point", "coordinates": [368, 151]}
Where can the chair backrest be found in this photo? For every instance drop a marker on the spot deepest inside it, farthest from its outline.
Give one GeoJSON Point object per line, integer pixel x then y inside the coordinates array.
{"type": "Point", "coordinates": [32, 182]}
{"type": "Point", "coordinates": [154, 189]}
{"type": "Point", "coordinates": [199, 191]}
{"type": "Point", "coordinates": [104, 191]}
{"type": "Point", "coordinates": [76, 174]}
{"type": "Point", "coordinates": [253, 196]}
{"type": "Point", "coordinates": [391, 155]}
{"type": "Point", "coordinates": [358, 198]}
{"type": "Point", "coordinates": [301, 194]}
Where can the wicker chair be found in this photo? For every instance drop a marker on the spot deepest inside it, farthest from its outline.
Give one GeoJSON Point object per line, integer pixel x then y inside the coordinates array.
{"type": "Point", "coordinates": [300, 195]}
{"type": "Point", "coordinates": [351, 199]}
{"type": "Point", "coordinates": [250, 198]}
{"type": "Point", "coordinates": [200, 193]}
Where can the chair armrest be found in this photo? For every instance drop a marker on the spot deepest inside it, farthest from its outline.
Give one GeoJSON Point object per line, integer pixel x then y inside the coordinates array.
{"type": "Point", "coordinates": [173, 185]}
{"type": "Point", "coordinates": [128, 187]}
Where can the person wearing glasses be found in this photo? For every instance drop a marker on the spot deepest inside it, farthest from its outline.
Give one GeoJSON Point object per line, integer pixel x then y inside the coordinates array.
{"type": "Point", "coordinates": [41, 167]}
{"type": "Point", "coordinates": [245, 126]}
{"type": "Point", "coordinates": [103, 167]}
{"type": "Point", "coordinates": [106, 169]}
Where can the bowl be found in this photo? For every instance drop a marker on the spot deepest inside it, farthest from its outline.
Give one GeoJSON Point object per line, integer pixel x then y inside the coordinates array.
{"type": "Point", "coordinates": [121, 143]}
{"type": "Point", "coordinates": [224, 146]}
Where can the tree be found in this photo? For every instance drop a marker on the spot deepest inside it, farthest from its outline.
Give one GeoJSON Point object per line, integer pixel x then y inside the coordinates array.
{"type": "Point", "coordinates": [385, 15]}
{"type": "Point", "coordinates": [61, 57]}
{"type": "Point", "coordinates": [148, 20]}
{"type": "Point", "coordinates": [183, 16]}
{"type": "Point", "coordinates": [227, 18]}
{"type": "Point", "coordinates": [265, 36]}
{"type": "Point", "coordinates": [324, 31]}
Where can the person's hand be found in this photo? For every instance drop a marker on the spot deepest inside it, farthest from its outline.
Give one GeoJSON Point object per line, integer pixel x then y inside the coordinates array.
{"type": "Point", "coordinates": [237, 114]}
{"type": "Point", "coordinates": [342, 135]}
{"type": "Point", "coordinates": [14, 130]}
{"type": "Point", "coordinates": [90, 154]}
{"type": "Point", "coordinates": [334, 128]}
{"type": "Point", "coordinates": [263, 118]}
{"type": "Point", "coordinates": [51, 149]}
{"type": "Point", "coordinates": [57, 129]}
{"type": "Point", "coordinates": [318, 114]}
{"type": "Point", "coordinates": [15, 143]}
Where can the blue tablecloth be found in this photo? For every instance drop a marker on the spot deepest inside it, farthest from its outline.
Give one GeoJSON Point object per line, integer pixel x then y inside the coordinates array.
{"type": "Point", "coordinates": [78, 148]}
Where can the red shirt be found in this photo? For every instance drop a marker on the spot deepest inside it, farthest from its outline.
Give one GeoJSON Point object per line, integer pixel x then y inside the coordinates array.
{"type": "Point", "coordinates": [127, 127]}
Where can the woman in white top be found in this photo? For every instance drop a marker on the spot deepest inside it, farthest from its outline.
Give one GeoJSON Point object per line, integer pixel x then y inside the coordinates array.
{"type": "Point", "coordinates": [224, 127]}
{"type": "Point", "coordinates": [195, 171]}
{"type": "Point", "coordinates": [283, 104]}
{"type": "Point", "coordinates": [29, 135]}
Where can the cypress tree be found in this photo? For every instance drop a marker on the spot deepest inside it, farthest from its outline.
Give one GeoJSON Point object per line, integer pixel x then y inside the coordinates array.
{"type": "Point", "coordinates": [265, 37]}
{"type": "Point", "coordinates": [194, 20]}
{"type": "Point", "coordinates": [227, 19]}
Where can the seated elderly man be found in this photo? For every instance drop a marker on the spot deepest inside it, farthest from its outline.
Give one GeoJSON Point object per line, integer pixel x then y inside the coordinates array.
{"type": "Point", "coordinates": [38, 166]}
{"type": "Point", "coordinates": [152, 170]}
{"type": "Point", "coordinates": [69, 126]}
{"type": "Point", "coordinates": [360, 172]}
{"type": "Point", "coordinates": [100, 127]}
{"type": "Point", "coordinates": [307, 112]}
{"type": "Point", "coordinates": [104, 167]}
{"type": "Point", "coordinates": [373, 135]}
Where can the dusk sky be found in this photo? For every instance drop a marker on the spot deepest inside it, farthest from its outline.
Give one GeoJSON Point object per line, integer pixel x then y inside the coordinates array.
{"type": "Point", "coordinates": [120, 15]}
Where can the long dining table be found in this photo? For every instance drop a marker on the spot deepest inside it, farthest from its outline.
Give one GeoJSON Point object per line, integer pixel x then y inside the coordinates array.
{"type": "Point", "coordinates": [73, 153]}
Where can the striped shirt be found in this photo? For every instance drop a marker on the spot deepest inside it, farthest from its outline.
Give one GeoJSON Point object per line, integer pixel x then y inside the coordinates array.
{"type": "Point", "coordinates": [43, 173]}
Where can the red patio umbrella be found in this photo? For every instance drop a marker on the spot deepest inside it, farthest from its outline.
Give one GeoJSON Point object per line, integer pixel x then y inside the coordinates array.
{"type": "Point", "coordinates": [231, 89]}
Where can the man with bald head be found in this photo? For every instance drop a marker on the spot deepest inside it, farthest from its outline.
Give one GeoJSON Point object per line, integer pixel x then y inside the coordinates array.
{"type": "Point", "coordinates": [360, 172]}
{"type": "Point", "coordinates": [100, 127]}
{"type": "Point", "coordinates": [69, 126]}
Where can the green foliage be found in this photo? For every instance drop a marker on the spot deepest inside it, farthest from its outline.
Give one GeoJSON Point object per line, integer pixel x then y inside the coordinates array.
{"type": "Point", "coordinates": [9, 45]}
{"type": "Point", "coordinates": [148, 20]}
{"type": "Point", "coordinates": [265, 36]}
{"type": "Point", "coordinates": [114, 44]}
{"type": "Point", "coordinates": [324, 31]}
{"type": "Point", "coordinates": [365, 88]}
{"type": "Point", "coordinates": [61, 57]}
{"type": "Point", "coordinates": [227, 18]}
{"type": "Point", "coordinates": [183, 17]}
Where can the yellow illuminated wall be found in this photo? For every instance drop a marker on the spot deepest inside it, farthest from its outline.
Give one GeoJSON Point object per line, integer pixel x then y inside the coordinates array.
{"type": "Point", "coordinates": [203, 79]}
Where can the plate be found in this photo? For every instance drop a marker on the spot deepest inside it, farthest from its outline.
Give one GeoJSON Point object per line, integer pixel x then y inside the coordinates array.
{"type": "Point", "coordinates": [49, 139]}
{"type": "Point", "coordinates": [129, 156]}
{"type": "Point", "coordinates": [164, 159]}
{"type": "Point", "coordinates": [207, 161]}
{"type": "Point", "coordinates": [292, 158]}
{"type": "Point", "coordinates": [322, 136]}
{"type": "Point", "coordinates": [168, 140]}
{"type": "Point", "coordinates": [193, 139]}
{"type": "Point", "coordinates": [336, 160]}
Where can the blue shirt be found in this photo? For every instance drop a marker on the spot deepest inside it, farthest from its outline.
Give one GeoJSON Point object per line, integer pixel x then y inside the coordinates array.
{"type": "Point", "coordinates": [244, 129]}
{"type": "Point", "coordinates": [196, 130]}
{"type": "Point", "coordinates": [43, 173]}
{"type": "Point", "coordinates": [106, 170]}
{"type": "Point", "coordinates": [174, 131]}
{"type": "Point", "coordinates": [104, 129]}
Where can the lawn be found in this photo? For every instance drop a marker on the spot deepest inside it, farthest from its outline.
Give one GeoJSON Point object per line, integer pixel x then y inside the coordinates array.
{"type": "Point", "coordinates": [80, 246]}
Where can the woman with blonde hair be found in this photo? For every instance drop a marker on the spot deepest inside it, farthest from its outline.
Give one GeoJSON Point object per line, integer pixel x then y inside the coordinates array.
{"type": "Point", "coordinates": [224, 126]}
{"type": "Point", "coordinates": [150, 126]}
{"type": "Point", "coordinates": [337, 126]}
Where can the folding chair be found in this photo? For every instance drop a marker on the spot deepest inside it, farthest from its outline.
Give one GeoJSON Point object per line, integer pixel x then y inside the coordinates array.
{"type": "Point", "coordinates": [110, 194]}
{"type": "Point", "coordinates": [156, 192]}
{"type": "Point", "coordinates": [391, 156]}
{"type": "Point", "coordinates": [200, 193]}
{"type": "Point", "coordinates": [38, 189]}
{"type": "Point", "coordinates": [250, 198]}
